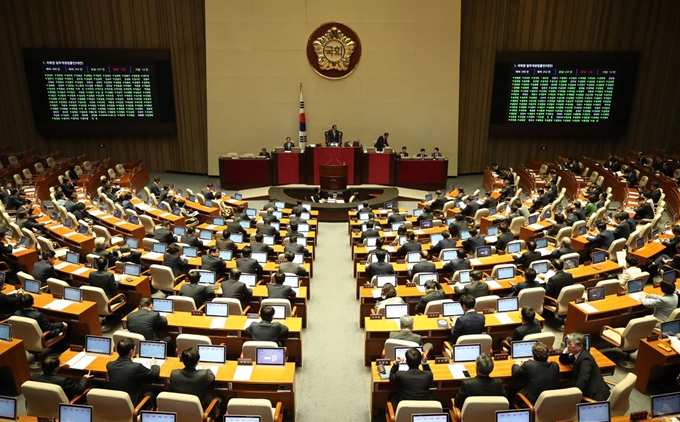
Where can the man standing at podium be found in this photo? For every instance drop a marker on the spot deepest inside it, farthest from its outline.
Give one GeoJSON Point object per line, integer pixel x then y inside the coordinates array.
{"type": "Point", "coordinates": [333, 136]}
{"type": "Point", "coordinates": [381, 143]}
{"type": "Point", "coordinates": [288, 145]}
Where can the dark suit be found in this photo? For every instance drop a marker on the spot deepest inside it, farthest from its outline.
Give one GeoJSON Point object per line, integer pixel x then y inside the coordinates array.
{"type": "Point", "coordinates": [293, 268]}
{"type": "Point", "coordinates": [369, 233]}
{"type": "Point", "coordinates": [525, 329]}
{"type": "Point", "coordinates": [470, 323]}
{"type": "Point", "coordinates": [380, 144]}
{"type": "Point", "coordinates": [586, 375]}
{"type": "Point", "coordinates": [523, 285]}
{"type": "Point", "coordinates": [422, 267]}
{"type": "Point", "coordinates": [556, 229]}
{"type": "Point", "coordinates": [458, 226]}
{"type": "Point", "coordinates": [622, 231]}
{"type": "Point", "coordinates": [479, 386]}
{"type": "Point", "coordinates": [267, 331]}
{"type": "Point", "coordinates": [470, 209]}
{"type": "Point", "coordinates": [288, 146]}
{"type": "Point", "coordinates": [261, 247]}
{"type": "Point", "coordinates": [474, 288]}
{"type": "Point", "coordinates": [443, 244]}
{"type": "Point", "coordinates": [539, 376]}
{"type": "Point", "coordinates": [42, 270]}
{"type": "Point", "coordinates": [527, 258]}
{"type": "Point", "coordinates": [409, 246]}
{"type": "Point", "coordinates": [561, 251]}
{"type": "Point", "coordinates": [413, 384]}
{"type": "Point", "coordinates": [194, 382]}
{"type": "Point", "coordinates": [216, 264]}
{"type": "Point", "coordinates": [135, 257]}
{"type": "Point", "coordinates": [249, 266]}
{"type": "Point", "coordinates": [489, 202]}
{"type": "Point", "coordinates": [280, 291]}
{"type": "Point", "coordinates": [571, 220]}
{"type": "Point", "coordinates": [126, 375]}
{"type": "Point", "coordinates": [429, 297]}
{"type": "Point", "coordinates": [438, 203]}
{"type": "Point", "coordinates": [176, 264]}
{"type": "Point", "coordinates": [396, 218]}
{"type": "Point", "coordinates": [71, 389]}
{"type": "Point", "coordinates": [44, 323]}
{"type": "Point", "coordinates": [164, 235]}
{"type": "Point", "coordinates": [296, 248]}
{"type": "Point", "coordinates": [105, 281]}
{"type": "Point", "coordinates": [603, 240]}
{"type": "Point", "coordinates": [540, 202]}
{"type": "Point", "coordinates": [9, 304]}
{"type": "Point", "coordinates": [191, 240]}
{"type": "Point", "coordinates": [503, 240]}
{"type": "Point", "coordinates": [507, 192]}
{"type": "Point", "coordinates": [155, 189]}
{"type": "Point", "coordinates": [471, 244]}
{"type": "Point", "coordinates": [199, 292]}
{"type": "Point", "coordinates": [146, 323]}
{"type": "Point", "coordinates": [456, 264]}
{"type": "Point", "coordinates": [557, 282]}
{"type": "Point", "coordinates": [268, 230]}
{"type": "Point", "coordinates": [333, 136]}
{"type": "Point", "coordinates": [379, 268]}
{"type": "Point", "coordinates": [643, 211]}
{"type": "Point", "coordinates": [236, 290]}
{"type": "Point", "coordinates": [225, 244]}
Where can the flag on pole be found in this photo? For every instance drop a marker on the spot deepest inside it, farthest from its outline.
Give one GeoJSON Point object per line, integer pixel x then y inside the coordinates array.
{"type": "Point", "coordinates": [303, 123]}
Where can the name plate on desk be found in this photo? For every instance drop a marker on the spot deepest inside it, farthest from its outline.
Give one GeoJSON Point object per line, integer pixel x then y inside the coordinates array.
{"type": "Point", "coordinates": [76, 348]}
{"type": "Point", "coordinates": [433, 314]}
{"type": "Point", "coordinates": [196, 313]}
{"type": "Point", "coordinates": [410, 284]}
{"type": "Point", "coordinates": [384, 362]}
{"type": "Point", "coordinates": [500, 356]}
{"type": "Point", "coordinates": [376, 316]}
{"type": "Point", "coordinates": [57, 295]}
{"type": "Point", "coordinates": [653, 336]}
{"type": "Point", "coordinates": [639, 416]}
{"type": "Point", "coordinates": [489, 311]}
{"type": "Point", "coordinates": [577, 301]}
{"type": "Point", "coordinates": [244, 361]}
{"type": "Point", "coordinates": [441, 360]}
{"type": "Point", "coordinates": [555, 352]}
{"type": "Point", "coordinates": [368, 286]}
{"type": "Point", "coordinates": [621, 293]}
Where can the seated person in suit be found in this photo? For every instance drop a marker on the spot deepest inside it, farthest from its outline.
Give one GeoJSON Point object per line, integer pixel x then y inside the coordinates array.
{"type": "Point", "coordinates": [540, 201]}
{"type": "Point", "coordinates": [290, 267]}
{"type": "Point", "coordinates": [557, 282]}
{"type": "Point", "coordinates": [126, 254]}
{"type": "Point", "coordinates": [525, 259]}
{"type": "Point", "coordinates": [100, 249]}
{"type": "Point", "coordinates": [259, 246]}
{"type": "Point", "coordinates": [663, 305]}
{"type": "Point", "coordinates": [128, 376]}
{"type": "Point", "coordinates": [413, 384]}
{"type": "Point", "coordinates": [380, 267]}
{"type": "Point", "coordinates": [422, 266]}
{"type": "Point", "coordinates": [631, 272]}
{"type": "Point", "coordinates": [212, 261]}
{"type": "Point", "coordinates": [559, 224]}
{"type": "Point", "coordinates": [266, 330]}
{"type": "Point", "coordinates": [580, 214]}
{"type": "Point", "coordinates": [482, 384]}
{"type": "Point", "coordinates": [426, 215]}
{"type": "Point", "coordinates": [411, 245]}
{"type": "Point", "coordinates": [163, 233]}
{"type": "Point", "coordinates": [235, 289]}
{"type": "Point", "coordinates": [103, 279]}
{"type": "Point", "coordinates": [155, 187]}
{"type": "Point", "coordinates": [235, 227]}
{"type": "Point", "coordinates": [458, 225]}
{"type": "Point", "coordinates": [470, 208]}
{"type": "Point", "coordinates": [585, 374]}
{"type": "Point", "coordinates": [488, 200]}
{"type": "Point", "coordinates": [539, 374]}
{"type": "Point", "coordinates": [333, 136]}
{"type": "Point", "coordinates": [406, 333]}
{"type": "Point", "coordinates": [198, 292]}
{"type": "Point", "coordinates": [475, 287]}
{"type": "Point", "coordinates": [436, 153]}
{"type": "Point", "coordinates": [473, 242]}
{"type": "Point", "coordinates": [190, 237]}
{"type": "Point", "coordinates": [623, 229]}
{"type": "Point", "coordinates": [370, 231]}
{"type": "Point", "coordinates": [147, 322]}
{"type": "Point", "coordinates": [403, 153]}
{"type": "Point", "coordinates": [296, 217]}
{"type": "Point", "coordinates": [277, 289]}
{"type": "Point", "coordinates": [190, 219]}
{"type": "Point", "coordinates": [507, 191]}
{"type": "Point", "coordinates": [267, 228]}
{"type": "Point", "coordinates": [395, 216]}
{"type": "Point", "coordinates": [644, 210]}
{"type": "Point", "coordinates": [388, 296]}
{"type": "Point", "coordinates": [604, 239]}
{"type": "Point", "coordinates": [44, 269]}
{"type": "Point", "coordinates": [295, 247]}
{"type": "Point", "coordinates": [505, 237]}
{"type": "Point", "coordinates": [591, 206]}
{"type": "Point", "coordinates": [572, 217]}
{"type": "Point", "coordinates": [565, 248]}
{"type": "Point", "coordinates": [457, 264]}
{"type": "Point", "coordinates": [446, 243]}
{"type": "Point", "coordinates": [288, 145]}
{"type": "Point", "coordinates": [247, 264]}
{"type": "Point", "coordinates": [529, 282]}
{"type": "Point", "coordinates": [264, 153]}
{"type": "Point", "coordinates": [28, 311]}
{"type": "Point", "coordinates": [173, 259]}
{"type": "Point", "coordinates": [421, 153]}
{"type": "Point", "coordinates": [197, 382]}
{"type": "Point", "coordinates": [529, 325]}
{"type": "Point", "coordinates": [433, 291]}
{"type": "Point", "coordinates": [50, 365]}
{"type": "Point", "coordinates": [469, 323]}
{"type": "Point", "coordinates": [223, 242]}
{"type": "Point", "coordinates": [365, 208]}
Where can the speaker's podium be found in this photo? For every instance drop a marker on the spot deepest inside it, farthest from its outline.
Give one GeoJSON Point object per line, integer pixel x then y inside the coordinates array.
{"type": "Point", "coordinates": [333, 177]}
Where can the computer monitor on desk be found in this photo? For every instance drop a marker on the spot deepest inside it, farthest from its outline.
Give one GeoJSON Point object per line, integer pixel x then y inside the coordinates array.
{"type": "Point", "coordinates": [75, 413]}
{"type": "Point", "coordinates": [541, 243]}
{"type": "Point", "coordinates": [505, 273]}
{"type": "Point", "coordinates": [466, 352]}
{"type": "Point", "coordinates": [669, 275]}
{"type": "Point", "coordinates": [593, 412]}
{"type": "Point", "coordinates": [483, 251]}
{"type": "Point", "coordinates": [507, 304]}
{"type": "Point", "coordinates": [522, 349]}
{"type": "Point", "coordinates": [156, 416]}
{"type": "Point", "coordinates": [452, 309]}
{"type": "Point", "coordinates": [381, 280]}
{"type": "Point", "coordinates": [395, 311]}
{"type": "Point", "coordinates": [599, 256]}
{"type": "Point", "coordinates": [514, 247]}
{"type": "Point", "coordinates": [430, 417]}
{"type": "Point", "coordinates": [8, 408]}
{"type": "Point", "coordinates": [666, 405]}
{"type": "Point", "coordinates": [519, 415]}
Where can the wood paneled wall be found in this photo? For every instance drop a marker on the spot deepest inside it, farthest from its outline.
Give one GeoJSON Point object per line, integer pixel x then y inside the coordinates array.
{"type": "Point", "coordinates": [177, 25]}
{"type": "Point", "coordinates": [648, 26]}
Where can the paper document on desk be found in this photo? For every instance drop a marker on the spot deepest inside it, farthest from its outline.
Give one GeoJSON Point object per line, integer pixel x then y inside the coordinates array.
{"type": "Point", "coordinates": [96, 213]}
{"type": "Point", "coordinates": [493, 284]}
{"type": "Point", "coordinates": [217, 322]}
{"type": "Point", "coordinates": [142, 207]}
{"type": "Point", "coordinates": [621, 258]}
{"type": "Point", "coordinates": [58, 305]}
{"type": "Point", "coordinates": [74, 359]}
{"type": "Point", "coordinates": [504, 318]}
{"type": "Point", "coordinates": [18, 249]}
{"type": "Point", "coordinates": [243, 372]}
{"type": "Point", "coordinates": [82, 362]}
{"type": "Point", "coordinates": [635, 296]}
{"type": "Point", "coordinates": [70, 234]}
{"type": "Point", "coordinates": [80, 271]}
{"type": "Point", "coordinates": [457, 370]}
{"type": "Point", "coordinates": [421, 289]}
{"type": "Point", "coordinates": [211, 368]}
{"type": "Point", "coordinates": [536, 226]}
{"type": "Point", "coordinates": [547, 275]}
{"type": "Point", "coordinates": [146, 362]}
{"type": "Point", "coordinates": [376, 293]}
{"type": "Point", "coordinates": [56, 226]}
{"type": "Point", "coordinates": [418, 232]}
{"type": "Point", "coordinates": [475, 261]}
{"type": "Point", "coordinates": [249, 322]}
{"type": "Point", "coordinates": [211, 226]}
{"type": "Point", "coordinates": [390, 248]}
{"type": "Point", "coordinates": [120, 223]}
{"type": "Point", "coordinates": [107, 216]}
{"type": "Point", "coordinates": [62, 265]}
{"type": "Point", "coordinates": [587, 307]}
{"type": "Point", "coordinates": [152, 255]}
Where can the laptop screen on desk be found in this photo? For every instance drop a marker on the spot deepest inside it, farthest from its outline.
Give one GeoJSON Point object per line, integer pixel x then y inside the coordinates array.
{"type": "Point", "coordinates": [279, 311]}
{"type": "Point", "coordinates": [493, 211]}
{"type": "Point", "coordinates": [541, 243]}
{"type": "Point", "coordinates": [430, 417]}
{"type": "Point", "coordinates": [395, 311]}
{"type": "Point", "coordinates": [449, 255]}
{"type": "Point", "coordinates": [492, 231]}
{"type": "Point", "coordinates": [190, 251]}
{"type": "Point", "coordinates": [670, 328]}
{"type": "Point", "coordinates": [207, 277]}
{"type": "Point", "coordinates": [132, 242]}
{"type": "Point", "coordinates": [540, 267]}
{"type": "Point", "coordinates": [639, 242]}
{"type": "Point", "coordinates": [237, 237]}
{"type": "Point", "coordinates": [245, 224]}
{"type": "Point", "coordinates": [570, 263]}
{"type": "Point", "coordinates": [159, 247]}
{"type": "Point", "coordinates": [218, 221]}
{"type": "Point", "coordinates": [260, 257]}
{"type": "Point", "coordinates": [370, 241]}
{"type": "Point", "coordinates": [214, 309]}
{"type": "Point", "coordinates": [464, 235]}
{"type": "Point", "coordinates": [155, 416]}
{"type": "Point", "coordinates": [519, 415]}
{"type": "Point", "coordinates": [73, 294]}
{"type": "Point", "coordinates": [5, 332]}
{"type": "Point", "coordinates": [426, 224]}
{"type": "Point", "coordinates": [665, 404]}
{"type": "Point", "coordinates": [412, 257]}
{"type": "Point", "coordinates": [75, 413]}
{"type": "Point", "coordinates": [238, 196]}
{"type": "Point", "coordinates": [291, 280]}
{"type": "Point", "coordinates": [68, 223]}
{"type": "Point", "coordinates": [596, 293]}
{"type": "Point", "coordinates": [226, 254]}
{"type": "Point", "coordinates": [514, 247]}
{"type": "Point", "coordinates": [32, 286]}
{"type": "Point", "coordinates": [389, 205]}
{"type": "Point", "coordinates": [133, 270]}
{"type": "Point", "coordinates": [533, 218]}
{"type": "Point", "coordinates": [98, 344]}
{"type": "Point", "coordinates": [599, 257]}
{"type": "Point", "coordinates": [133, 219]}
{"type": "Point", "coordinates": [268, 239]}
{"type": "Point", "coordinates": [594, 412]}
{"type": "Point", "coordinates": [395, 226]}
{"type": "Point", "coordinates": [8, 408]}
{"type": "Point", "coordinates": [82, 229]}
{"type": "Point", "coordinates": [270, 356]}
{"type": "Point", "coordinates": [522, 349]}
{"type": "Point", "coordinates": [179, 231]}
{"type": "Point", "coordinates": [249, 280]}
{"type": "Point", "coordinates": [72, 258]}
{"type": "Point", "coordinates": [435, 238]}
{"type": "Point", "coordinates": [400, 352]}
{"type": "Point", "coordinates": [212, 353]}
{"type": "Point", "coordinates": [118, 213]}
{"type": "Point", "coordinates": [153, 349]}
{"type": "Point", "coordinates": [381, 280]}
{"type": "Point", "coordinates": [205, 234]}
{"type": "Point", "coordinates": [582, 230]}
{"type": "Point", "coordinates": [635, 285]}
{"type": "Point", "coordinates": [670, 275]}
{"type": "Point", "coordinates": [466, 352]}
{"type": "Point", "coordinates": [508, 304]}
{"type": "Point", "coordinates": [483, 251]}
{"type": "Point", "coordinates": [163, 305]}
{"type": "Point", "coordinates": [450, 309]}
{"type": "Point", "coordinates": [505, 273]}
{"type": "Point", "coordinates": [464, 276]}
{"type": "Point", "coordinates": [425, 277]}
{"type": "Point", "coordinates": [208, 203]}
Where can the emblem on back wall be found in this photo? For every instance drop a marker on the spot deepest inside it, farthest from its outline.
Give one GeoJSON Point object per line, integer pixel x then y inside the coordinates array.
{"type": "Point", "coordinates": [333, 50]}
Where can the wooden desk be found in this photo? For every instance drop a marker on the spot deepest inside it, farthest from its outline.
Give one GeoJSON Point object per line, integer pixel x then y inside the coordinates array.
{"type": "Point", "coordinates": [157, 214]}
{"type": "Point", "coordinates": [447, 387]}
{"type": "Point", "coordinates": [13, 362]}
{"type": "Point", "coordinates": [651, 362]}
{"type": "Point", "coordinates": [276, 383]}
{"type": "Point", "coordinates": [232, 334]}
{"type": "Point", "coordinates": [614, 311]}
{"type": "Point", "coordinates": [116, 225]}
{"type": "Point", "coordinates": [26, 258]}
{"type": "Point", "coordinates": [649, 252]}
{"type": "Point", "coordinates": [134, 179]}
{"type": "Point", "coordinates": [82, 318]}
{"type": "Point", "coordinates": [527, 232]}
{"type": "Point", "coordinates": [83, 244]}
